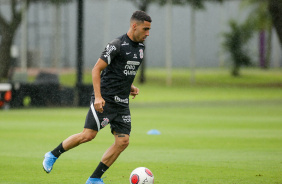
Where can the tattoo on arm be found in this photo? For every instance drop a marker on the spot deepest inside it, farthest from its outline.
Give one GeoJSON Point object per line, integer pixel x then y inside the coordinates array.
{"type": "Point", "coordinates": [120, 135]}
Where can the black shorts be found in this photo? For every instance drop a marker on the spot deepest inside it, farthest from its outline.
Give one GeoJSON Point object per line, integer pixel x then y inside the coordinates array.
{"type": "Point", "coordinates": [118, 117]}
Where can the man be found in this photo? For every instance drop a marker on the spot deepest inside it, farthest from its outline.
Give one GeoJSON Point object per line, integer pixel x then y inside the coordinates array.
{"type": "Point", "coordinates": [118, 63]}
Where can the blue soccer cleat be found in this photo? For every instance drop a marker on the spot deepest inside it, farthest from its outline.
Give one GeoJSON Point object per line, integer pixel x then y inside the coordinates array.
{"type": "Point", "coordinates": [94, 181]}
{"type": "Point", "coordinates": [49, 161]}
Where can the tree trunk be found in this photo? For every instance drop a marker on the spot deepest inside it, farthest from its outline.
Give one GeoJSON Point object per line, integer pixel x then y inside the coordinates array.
{"type": "Point", "coordinates": [262, 49]}
{"type": "Point", "coordinates": [5, 57]}
{"type": "Point", "coordinates": [236, 70]}
{"type": "Point", "coordinates": [275, 8]}
{"type": "Point", "coordinates": [268, 48]}
{"type": "Point", "coordinates": [8, 30]}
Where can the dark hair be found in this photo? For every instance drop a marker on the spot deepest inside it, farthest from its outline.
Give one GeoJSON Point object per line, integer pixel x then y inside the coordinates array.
{"type": "Point", "coordinates": [141, 16]}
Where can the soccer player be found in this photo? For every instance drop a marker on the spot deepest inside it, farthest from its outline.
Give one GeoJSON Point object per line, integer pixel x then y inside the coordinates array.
{"type": "Point", "coordinates": [112, 77]}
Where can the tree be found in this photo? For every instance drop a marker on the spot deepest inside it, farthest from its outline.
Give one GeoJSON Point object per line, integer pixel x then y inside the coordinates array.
{"type": "Point", "coordinates": [198, 4]}
{"type": "Point", "coordinates": [9, 27]}
{"type": "Point", "coordinates": [8, 30]}
{"type": "Point", "coordinates": [275, 9]}
{"type": "Point", "coordinates": [235, 44]}
{"type": "Point", "coordinates": [260, 19]}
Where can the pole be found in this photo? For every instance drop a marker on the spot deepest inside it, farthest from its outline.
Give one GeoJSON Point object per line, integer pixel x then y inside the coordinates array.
{"type": "Point", "coordinates": [58, 37]}
{"type": "Point", "coordinates": [79, 41]}
{"type": "Point", "coordinates": [24, 39]}
{"type": "Point", "coordinates": [168, 42]}
{"type": "Point", "coordinates": [192, 45]}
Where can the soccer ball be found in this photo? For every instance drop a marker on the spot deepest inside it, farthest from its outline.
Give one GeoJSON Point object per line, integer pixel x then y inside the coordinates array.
{"type": "Point", "coordinates": [141, 175]}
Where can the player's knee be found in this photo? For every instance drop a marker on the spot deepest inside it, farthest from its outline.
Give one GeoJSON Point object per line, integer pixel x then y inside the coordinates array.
{"type": "Point", "coordinates": [123, 143]}
{"type": "Point", "coordinates": [88, 137]}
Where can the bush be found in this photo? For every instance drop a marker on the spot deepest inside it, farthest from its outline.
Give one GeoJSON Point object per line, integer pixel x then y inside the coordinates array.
{"type": "Point", "coordinates": [235, 42]}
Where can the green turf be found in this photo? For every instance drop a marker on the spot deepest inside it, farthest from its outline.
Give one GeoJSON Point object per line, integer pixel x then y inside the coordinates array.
{"type": "Point", "coordinates": [212, 135]}
{"type": "Point", "coordinates": [220, 130]}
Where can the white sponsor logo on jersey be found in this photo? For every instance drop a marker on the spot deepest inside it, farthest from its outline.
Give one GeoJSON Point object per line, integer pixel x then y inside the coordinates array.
{"type": "Point", "coordinates": [133, 62]}
{"type": "Point", "coordinates": [109, 50]}
{"type": "Point", "coordinates": [127, 118]}
{"type": "Point", "coordinates": [124, 43]}
{"type": "Point", "coordinates": [118, 99]}
{"type": "Point", "coordinates": [141, 53]}
{"type": "Point", "coordinates": [130, 68]}
{"type": "Point", "coordinates": [129, 72]}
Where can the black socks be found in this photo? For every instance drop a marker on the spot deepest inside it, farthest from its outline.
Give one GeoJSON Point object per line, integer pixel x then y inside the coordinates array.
{"type": "Point", "coordinates": [99, 170]}
{"type": "Point", "coordinates": [58, 151]}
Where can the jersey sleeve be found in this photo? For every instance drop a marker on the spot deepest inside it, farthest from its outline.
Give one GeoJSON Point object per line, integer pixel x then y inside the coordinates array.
{"type": "Point", "coordinates": [110, 51]}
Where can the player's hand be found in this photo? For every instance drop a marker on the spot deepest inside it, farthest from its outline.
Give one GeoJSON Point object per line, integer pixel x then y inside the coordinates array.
{"type": "Point", "coordinates": [134, 91]}
{"type": "Point", "coordinates": [99, 104]}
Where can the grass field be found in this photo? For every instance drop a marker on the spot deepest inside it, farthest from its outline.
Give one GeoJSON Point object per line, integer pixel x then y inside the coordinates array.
{"type": "Point", "coordinates": [221, 134]}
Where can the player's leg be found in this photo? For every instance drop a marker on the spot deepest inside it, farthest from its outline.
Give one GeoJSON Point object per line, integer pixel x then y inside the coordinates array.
{"type": "Point", "coordinates": [85, 136]}
{"type": "Point", "coordinates": [89, 133]}
{"type": "Point", "coordinates": [121, 143]}
{"type": "Point", "coordinates": [121, 128]}
{"type": "Point", "coordinates": [109, 157]}
{"type": "Point", "coordinates": [71, 142]}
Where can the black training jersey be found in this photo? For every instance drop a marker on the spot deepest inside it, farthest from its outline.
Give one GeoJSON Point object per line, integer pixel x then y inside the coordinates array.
{"type": "Point", "coordinates": [123, 57]}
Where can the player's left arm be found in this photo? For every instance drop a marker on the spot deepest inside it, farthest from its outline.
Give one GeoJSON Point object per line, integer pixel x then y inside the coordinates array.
{"type": "Point", "coordinates": [134, 91]}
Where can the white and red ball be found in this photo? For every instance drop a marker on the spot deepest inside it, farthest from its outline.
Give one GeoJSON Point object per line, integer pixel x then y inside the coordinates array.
{"type": "Point", "coordinates": [141, 175]}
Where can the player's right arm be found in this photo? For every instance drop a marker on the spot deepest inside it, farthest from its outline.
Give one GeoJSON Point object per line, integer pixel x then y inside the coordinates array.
{"type": "Point", "coordinates": [96, 79]}
{"type": "Point", "coordinates": [109, 53]}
